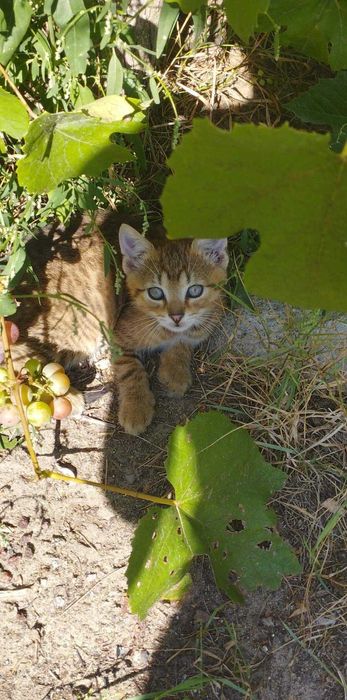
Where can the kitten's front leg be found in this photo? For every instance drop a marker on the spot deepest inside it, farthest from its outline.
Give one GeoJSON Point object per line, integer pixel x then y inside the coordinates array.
{"type": "Point", "coordinates": [136, 401]}
{"type": "Point", "coordinates": [174, 369]}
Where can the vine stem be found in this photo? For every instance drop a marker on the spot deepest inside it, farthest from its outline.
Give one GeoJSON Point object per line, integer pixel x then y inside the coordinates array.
{"type": "Point", "coordinates": [23, 418]}
{"type": "Point", "coordinates": [109, 487]}
{"type": "Point", "coordinates": [16, 91]}
{"type": "Point", "coordinates": [45, 474]}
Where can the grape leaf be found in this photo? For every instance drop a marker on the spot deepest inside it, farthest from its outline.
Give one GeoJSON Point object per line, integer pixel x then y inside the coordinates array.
{"type": "Point", "coordinates": [14, 118]}
{"type": "Point", "coordinates": [221, 484]}
{"type": "Point", "coordinates": [284, 183]}
{"type": "Point", "coordinates": [243, 15]}
{"type": "Point", "coordinates": [15, 16]}
{"type": "Point", "coordinates": [327, 19]}
{"type": "Point", "coordinates": [325, 103]}
{"type": "Point", "coordinates": [60, 146]}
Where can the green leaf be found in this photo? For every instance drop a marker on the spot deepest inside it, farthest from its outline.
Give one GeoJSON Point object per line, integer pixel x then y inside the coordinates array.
{"type": "Point", "coordinates": [188, 5]}
{"type": "Point", "coordinates": [60, 146]}
{"type": "Point", "coordinates": [15, 16]}
{"type": "Point", "coordinates": [243, 15]}
{"type": "Point", "coordinates": [114, 75]}
{"type": "Point", "coordinates": [221, 484]}
{"type": "Point", "coordinates": [159, 560]}
{"type": "Point", "coordinates": [3, 148]}
{"type": "Point", "coordinates": [77, 44]}
{"type": "Point", "coordinates": [84, 96]}
{"type": "Point", "coordinates": [284, 183]}
{"type": "Point", "coordinates": [7, 305]}
{"type": "Point", "coordinates": [71, 16]}
{"type": "Point", "coordinates": [327, 19]}
{"type": "Point", "coordinates": [115, 108]}
{"type": "Point", "coordinates": [14, 118]}
{"type": "Point", "coordinates": [167, 20]}
{"type": "Point", "coordinates": [325, 103]}
{"type": "Point", "coordinates": [15, 267]}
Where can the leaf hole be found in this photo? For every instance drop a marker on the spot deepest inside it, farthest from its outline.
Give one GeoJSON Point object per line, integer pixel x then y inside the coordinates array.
{"type": "Point", "coordinates": [179, 531]}
{"type": "Point", "coordinates": [266, 544]}
{"type": "Point", "coordinates": [215, 545]}
{"type": "Point", "coordinates": [154, 516]}
{"type": "Point", "coordinates": [232, 576]}
{"type": "Point", "coordinates": [270, 529]}
{"type": "Point", "coordinates": [165, 559]}
{"type": "Point", "coordinates": [225, 554]}
{"type": "Point", "coordinates": [235, 526]}
{"type": "Point", "coordinates": [154, 535]}
{"type": "Point", "coordinates": [172, 572]}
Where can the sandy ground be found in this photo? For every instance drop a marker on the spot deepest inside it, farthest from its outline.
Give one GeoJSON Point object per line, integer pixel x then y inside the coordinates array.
{"type": "Point", "coordinates": [66, 629]}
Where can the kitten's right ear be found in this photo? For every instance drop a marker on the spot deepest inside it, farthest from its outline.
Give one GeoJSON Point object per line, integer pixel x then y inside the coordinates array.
{"type": "Point", "coordinates": [134, 247]}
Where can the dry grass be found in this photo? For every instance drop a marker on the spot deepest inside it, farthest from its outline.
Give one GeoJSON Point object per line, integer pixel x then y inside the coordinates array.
{"type": "Point", "coordinates": [292, 403]}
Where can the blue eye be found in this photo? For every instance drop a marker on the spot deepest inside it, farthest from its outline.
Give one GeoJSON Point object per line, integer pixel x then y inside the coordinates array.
{"type": "Point", "coordinates": [155, 293]}
{"type": "Point", "coordinates": [195, 291]}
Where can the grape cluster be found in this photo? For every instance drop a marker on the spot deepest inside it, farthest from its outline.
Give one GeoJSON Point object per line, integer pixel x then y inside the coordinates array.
{"type": "Point", "coordinates": [43, 391]}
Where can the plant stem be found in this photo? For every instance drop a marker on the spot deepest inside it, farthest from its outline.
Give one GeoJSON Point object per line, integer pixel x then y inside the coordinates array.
{"type": "Point", "coordinates": [108, 487]}
{"type": "Point", "coordinates": [23, 418]}
{"type": "Point", "coordinates": [16, 91]}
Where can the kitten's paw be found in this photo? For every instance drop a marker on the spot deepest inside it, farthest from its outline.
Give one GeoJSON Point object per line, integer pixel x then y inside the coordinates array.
{"type": "Point", "coordinates": [135, 415]}
{"type": "Point", "coordinates": [176, 384]}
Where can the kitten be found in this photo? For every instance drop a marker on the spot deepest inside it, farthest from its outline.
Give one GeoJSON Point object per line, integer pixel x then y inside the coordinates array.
{"type": "Point", "coordinates": [172, 303]}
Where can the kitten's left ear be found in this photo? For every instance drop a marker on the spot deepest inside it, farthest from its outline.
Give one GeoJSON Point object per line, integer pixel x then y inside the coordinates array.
{"type": "Point", "coordinates": [215, 250]}
{"type": "Point", "coordinates": [134, 247]}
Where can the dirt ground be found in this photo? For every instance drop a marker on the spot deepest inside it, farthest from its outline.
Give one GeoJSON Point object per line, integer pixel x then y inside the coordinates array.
{"type": "Point", "coordinates": [66, 628]}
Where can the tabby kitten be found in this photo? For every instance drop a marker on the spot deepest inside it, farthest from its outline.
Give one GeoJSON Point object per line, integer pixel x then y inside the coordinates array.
{"type": "Point", "coordinates": [172, 303]}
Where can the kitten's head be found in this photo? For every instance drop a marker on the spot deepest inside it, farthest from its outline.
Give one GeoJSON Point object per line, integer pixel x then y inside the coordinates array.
{"type": "Point", "coordinates": [175, 284]}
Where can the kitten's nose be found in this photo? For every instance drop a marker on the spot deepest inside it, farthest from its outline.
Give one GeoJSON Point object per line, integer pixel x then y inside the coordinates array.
{"type": "Point", "coordinates": [176, 318]}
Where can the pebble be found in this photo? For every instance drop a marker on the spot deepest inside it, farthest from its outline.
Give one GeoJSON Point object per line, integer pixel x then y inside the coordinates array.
{"type": "Point", "coordinates": [66, 470]}
{"type": "Point", "coordinates": [140, 658]}
{"type": "Point", "coordinates": [59, 601]}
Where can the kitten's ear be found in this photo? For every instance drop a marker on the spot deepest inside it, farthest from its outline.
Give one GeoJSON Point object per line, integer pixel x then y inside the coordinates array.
{"type": "Point", "coordinates": [215, 250]}
{"type": "Point", "coordinates": [134, 247]}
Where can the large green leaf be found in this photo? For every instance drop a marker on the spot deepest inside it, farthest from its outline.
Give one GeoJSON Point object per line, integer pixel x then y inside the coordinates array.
{"type": "Point", "coordinates": [325, 103]}
{"type": "Point", "coordinates": [14, 119]}
{"type": "Point", "coordinates": [328, 19]}
{"type": "Point", "coordinates": [15, 16]}
{"type": "Point", "coordinates": [221, 486]}
{"type": "Point", "coordinates": [284, 183]}
{"type": "Point", "coordinates": [60, 146]}
{"type": "Point", "coordinates": [243, 15]}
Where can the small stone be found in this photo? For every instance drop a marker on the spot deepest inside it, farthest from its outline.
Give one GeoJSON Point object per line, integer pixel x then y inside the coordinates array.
{"type": "Point", "coordinates": [29, 550]}
{"type": "Point", "coordinates": [265, 649]}
{"type": "Point", "coordinates": [24, 522]}
{"type": "Point", "coordinates": [129, 475]}
{"type": "Point", "coordinates": [59, 601]}
{"type": "Point", "coordinates": [140, 658]}
{"type": "Point", "coordinates": [66, 470]}
{"type": "Point", "coordinates": [15, 559]}
{"type": "Point", "coordinates": [268, 622]}
{"type": "Point", "coordinates": [43, 582]}
{"type": "Point", "coordinates": [91, 577]}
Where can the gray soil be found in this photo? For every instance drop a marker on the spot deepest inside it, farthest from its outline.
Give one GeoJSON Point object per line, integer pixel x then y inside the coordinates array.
{"type": "Point", "coordinates": [67, 631]}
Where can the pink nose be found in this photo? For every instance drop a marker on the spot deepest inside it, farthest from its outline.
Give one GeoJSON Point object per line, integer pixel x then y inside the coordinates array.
{"type": "Point", "coordinates": [177, 318]}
